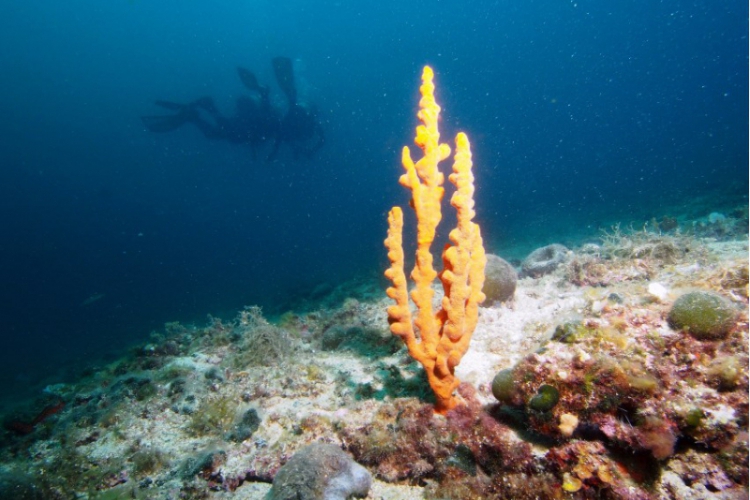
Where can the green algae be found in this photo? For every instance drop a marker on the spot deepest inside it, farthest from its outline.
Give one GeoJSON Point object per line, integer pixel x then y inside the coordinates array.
{"type": "Point", "coordinates": [545, 399]}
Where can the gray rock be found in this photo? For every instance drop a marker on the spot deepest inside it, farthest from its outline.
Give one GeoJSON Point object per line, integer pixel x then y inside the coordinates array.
{"type": "Point", "coordinates": [499, 280]}
{"type": "Point", "coordinates": [320, 472]}
{"type": "Point", "coordinates": [544, 260]}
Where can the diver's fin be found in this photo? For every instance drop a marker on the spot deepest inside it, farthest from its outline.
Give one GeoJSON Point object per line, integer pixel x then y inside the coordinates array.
{"type": "Point", "coordinates": [282, 68]}
{"type": "Point", "coordinates": [248, 78]}
{"type": "Point", "coordinates": [161, 124]}
{"type": "Point", "coordinates": [170, 105]}
{"type": "Point", "coordinates": [205, 103]}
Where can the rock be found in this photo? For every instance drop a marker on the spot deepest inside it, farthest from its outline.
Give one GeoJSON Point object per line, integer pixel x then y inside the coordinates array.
{"type": "Point", "coordinates": [716, 218]}
{"type": "Point", "coordinates": [245, 428]}
{"type": "Point", "coordinates": [320, 472]}
{"type": "Point", "coordinates": [705, 315]}
{"type": "Point", "coordinates": [503, 386]}
{"type": "Point", "coordinates": [499, 280]}
{"type": "Point", "coordinates": [568, 424]}
{"type": "Point", "coordinates": [658, 291]}
{"type": "Point", "coordinates": [545, 398]}
{"type": "Point", "coordinates": [544, 260]}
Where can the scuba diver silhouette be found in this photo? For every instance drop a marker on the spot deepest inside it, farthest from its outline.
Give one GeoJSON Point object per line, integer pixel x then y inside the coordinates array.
{"type": "Point", "coordinates": [300, 126]}
{"type": "Point", "coordinates": [255, 120]}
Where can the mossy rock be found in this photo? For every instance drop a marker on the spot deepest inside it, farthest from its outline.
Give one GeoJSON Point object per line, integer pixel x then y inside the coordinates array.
{"type": "Point", "coordinates": [499, 281]}
{"type": "Point", "coordinates": [503, 386]}
{"type": "Point", "coordinates": [705, 315]}
{"type": "Point", "coordinates": [244, 429]}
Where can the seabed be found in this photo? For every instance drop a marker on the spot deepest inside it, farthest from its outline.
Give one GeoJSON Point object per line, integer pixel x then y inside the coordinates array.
{"type": "Point", "coordinates": [637, 408]}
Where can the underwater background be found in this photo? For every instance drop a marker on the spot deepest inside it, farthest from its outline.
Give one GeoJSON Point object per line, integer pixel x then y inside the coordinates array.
{"type": "Point", "coordinates": [581, 114]}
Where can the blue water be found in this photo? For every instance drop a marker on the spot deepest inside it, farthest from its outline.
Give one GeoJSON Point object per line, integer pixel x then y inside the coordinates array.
{"type": "Point", "coordinates": [581, 113]}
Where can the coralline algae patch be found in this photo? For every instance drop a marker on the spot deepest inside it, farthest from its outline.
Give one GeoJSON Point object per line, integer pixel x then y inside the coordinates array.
{"type": "Point", "coordinates": [600, 396]}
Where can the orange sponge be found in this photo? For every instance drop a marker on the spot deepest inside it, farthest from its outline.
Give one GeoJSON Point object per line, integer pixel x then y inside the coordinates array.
{"type": "Point", "coordinates": [437, 339]}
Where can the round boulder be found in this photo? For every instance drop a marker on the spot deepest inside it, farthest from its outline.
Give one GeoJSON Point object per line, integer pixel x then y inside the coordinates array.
{"type": "Point", "coordinates": [320, 472]}
{"type": "Point", "coordinates": [705, 315]}
{"type": "Point", "coordinates": [499, 280]}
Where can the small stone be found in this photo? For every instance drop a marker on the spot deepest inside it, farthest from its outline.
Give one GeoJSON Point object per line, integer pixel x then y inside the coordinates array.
{"type": "Point", "coordinates": [568, 424]}
{"type": "Point", "coordinates": [571, 483]}
{"type": "Point", "coordinates": [658, 291]}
